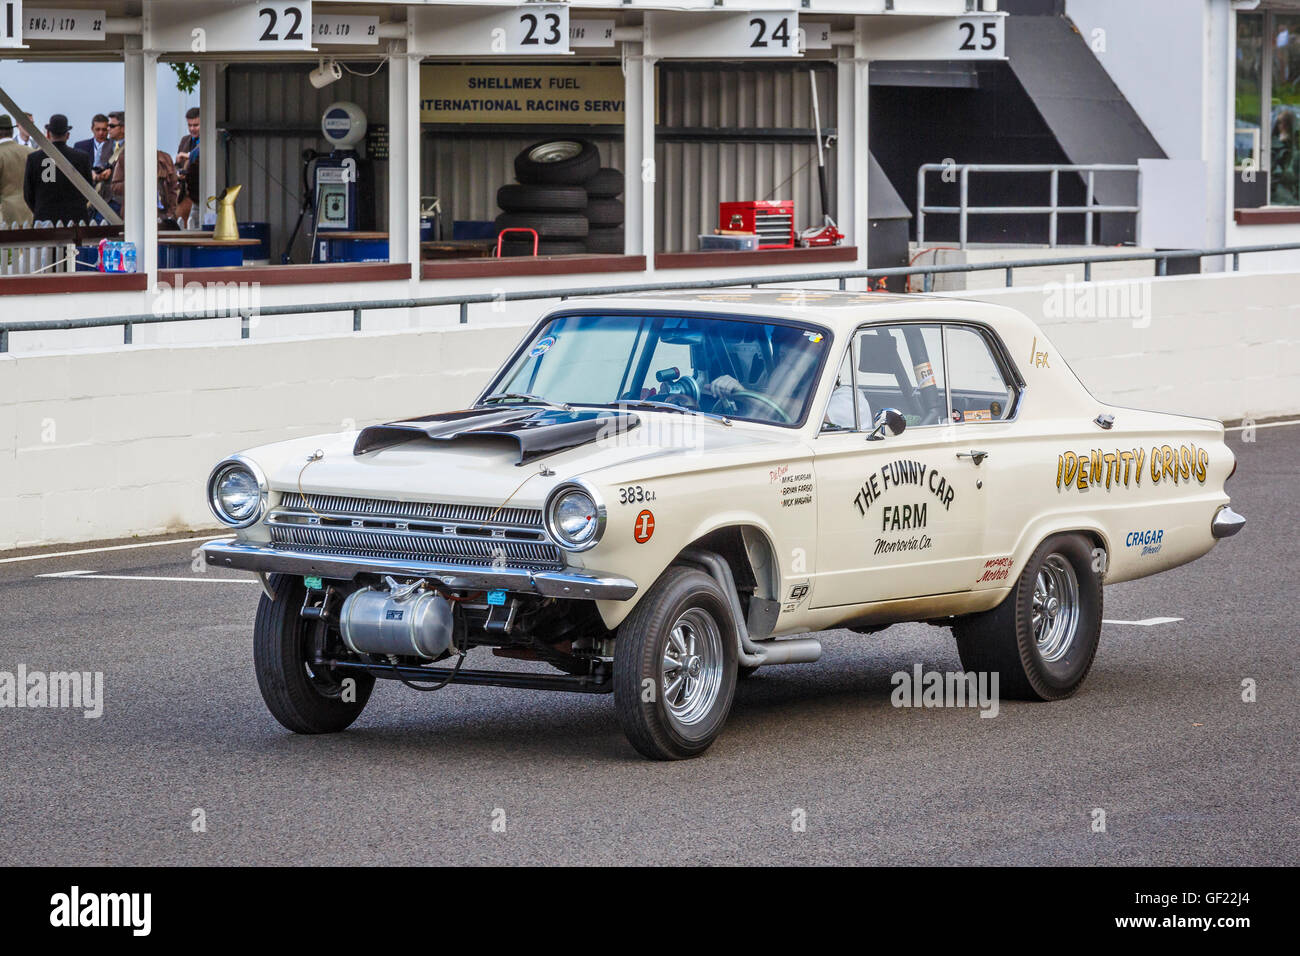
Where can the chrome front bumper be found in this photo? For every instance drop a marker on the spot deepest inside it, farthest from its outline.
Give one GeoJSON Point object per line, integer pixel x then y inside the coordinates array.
{"type": "Point", "coordinates": [1226, 523]}
{"type": "Point", "coordinates": [571, 583]}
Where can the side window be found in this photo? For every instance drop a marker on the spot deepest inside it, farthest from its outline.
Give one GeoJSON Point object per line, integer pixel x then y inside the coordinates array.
{"type": "Point", "coordinates": [980, 389]}
{"type": "Point", "coordinates": [901, 366]}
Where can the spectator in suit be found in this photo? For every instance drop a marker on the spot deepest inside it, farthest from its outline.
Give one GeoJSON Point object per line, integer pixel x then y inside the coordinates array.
{"type": "Point", "coordinates": [99, 147]}
{"type": "Point", "coordinates": [187, 168]}
{"type": "Point", "coordinates": [13, 165]}
{"type": "Point", "coordinates": [21, 134]}
{"type": "Point", "coordinates": [104, 178]}
{"type": "Point", "coordinates": [51, 196]}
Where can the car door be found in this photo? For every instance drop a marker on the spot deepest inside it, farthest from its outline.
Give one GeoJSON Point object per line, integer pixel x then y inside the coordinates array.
{"type": "Point", "coordinates": [898, 516]}
{"type": "Point", "coordinates": [985, 391]}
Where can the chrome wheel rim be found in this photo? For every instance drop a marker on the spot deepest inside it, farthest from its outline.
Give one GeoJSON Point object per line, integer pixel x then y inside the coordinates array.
{"type": "Point", "coordinates": [691, 669]}
{"type": "Point", "coordinates": [556, 152]}
{"type": "Point", "coordinates": [1055, 608]}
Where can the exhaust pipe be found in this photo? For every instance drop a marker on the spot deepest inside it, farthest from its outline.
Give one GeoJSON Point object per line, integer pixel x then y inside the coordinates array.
{"type": "Point", "coordinates": [753, 653]}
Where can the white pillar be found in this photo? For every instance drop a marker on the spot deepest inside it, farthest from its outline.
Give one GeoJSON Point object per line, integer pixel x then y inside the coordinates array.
{"type": "Point", "coordinates": [404, 157]}
{"type": "Point", "coordinates": [140, 204]}
{"type": "Point", "coordinates": [209, 164]}
{"type": "Point", "coordinates": [853, 166]}
{"type": "Point", "coordinates": [640, 175]}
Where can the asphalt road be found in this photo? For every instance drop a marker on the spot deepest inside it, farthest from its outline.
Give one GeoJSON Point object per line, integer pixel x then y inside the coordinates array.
{"type": "Point", "coordinates": [1159, 738]}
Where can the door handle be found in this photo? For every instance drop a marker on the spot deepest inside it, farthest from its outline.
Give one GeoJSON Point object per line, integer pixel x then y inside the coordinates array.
{"type": "Point", "coordinates": [975, 456]}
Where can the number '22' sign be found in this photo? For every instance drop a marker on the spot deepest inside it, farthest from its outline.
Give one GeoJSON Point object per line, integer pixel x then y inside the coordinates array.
{"type": "Point", "coordinates": [283, 25]}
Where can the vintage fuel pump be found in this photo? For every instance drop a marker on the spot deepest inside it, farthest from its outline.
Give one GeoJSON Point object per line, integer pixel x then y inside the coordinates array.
{"type": "Point", "coordinates": [339, 190]}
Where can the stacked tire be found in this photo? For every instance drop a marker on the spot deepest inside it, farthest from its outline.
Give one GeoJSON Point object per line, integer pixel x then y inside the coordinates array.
{"type": "Point", "coordinates": [554, 196]}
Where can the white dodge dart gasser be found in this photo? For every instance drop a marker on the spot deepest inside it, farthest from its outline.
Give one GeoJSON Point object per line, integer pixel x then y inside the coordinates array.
{"type": "Point", "coordinates": [655, 492]}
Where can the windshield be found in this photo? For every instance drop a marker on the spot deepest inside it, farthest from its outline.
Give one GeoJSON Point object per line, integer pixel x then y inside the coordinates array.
{"type": "Point", "coordinates": [751, 369]}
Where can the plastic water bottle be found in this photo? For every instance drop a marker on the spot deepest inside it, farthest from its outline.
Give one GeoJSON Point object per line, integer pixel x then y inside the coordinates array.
{"type": "Point", "coordinates": [128, 251]}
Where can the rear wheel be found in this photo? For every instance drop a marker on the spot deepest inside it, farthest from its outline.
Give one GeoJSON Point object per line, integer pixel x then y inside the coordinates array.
{"type": "Point", "coordinates": [675, 666]}
{"type": "Point", "coordinates": [1041, 640]}
{"type": "Point", "coordinates": [305, 698]}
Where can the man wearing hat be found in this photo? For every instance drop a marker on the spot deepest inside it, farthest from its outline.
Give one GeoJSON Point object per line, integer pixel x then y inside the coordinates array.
{"type": "Point", "coordinates": [50, 194]}
{"type": "Point", "coordinates": [13, 166]}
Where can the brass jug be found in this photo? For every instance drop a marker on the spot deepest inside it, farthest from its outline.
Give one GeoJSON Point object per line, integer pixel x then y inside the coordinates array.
{"type": "Point", "coordinates": [227, 222]}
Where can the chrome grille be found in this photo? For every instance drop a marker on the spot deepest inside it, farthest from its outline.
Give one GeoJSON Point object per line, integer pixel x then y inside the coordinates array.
{"type": "Point", "coordinates": [413, 530]}
{"type": "Point", "coordinates": [479, 514]}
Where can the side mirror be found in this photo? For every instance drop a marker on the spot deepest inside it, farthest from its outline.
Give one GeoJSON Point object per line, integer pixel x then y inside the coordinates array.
{"type": "Point", "coordinates": [889, 422]}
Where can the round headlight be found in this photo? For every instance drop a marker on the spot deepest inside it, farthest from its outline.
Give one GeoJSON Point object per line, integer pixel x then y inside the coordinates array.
{"type": "Point", "coordinates": [235, 494]}
{"type": "Point", "coordinates": [575, 519]}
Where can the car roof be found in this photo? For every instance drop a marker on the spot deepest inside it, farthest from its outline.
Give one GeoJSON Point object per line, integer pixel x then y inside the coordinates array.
{"type": "Point", "coordinates": [838, 310]}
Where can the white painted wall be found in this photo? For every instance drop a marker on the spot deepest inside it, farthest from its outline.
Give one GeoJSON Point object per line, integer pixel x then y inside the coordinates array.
{"type": "Point", "coordinates": [112, 443]}
{"type": "Point", "coordinates": [1154, 51]}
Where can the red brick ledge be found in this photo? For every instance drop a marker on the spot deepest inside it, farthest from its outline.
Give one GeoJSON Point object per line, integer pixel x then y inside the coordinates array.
{"type": "Point", "coordinates": [1268, 216]}
{"type": "Point", "coordinates": [529, 266]}
{"type": "Point", "coordinates": [68, 282]}
{"type": "Point", "coordinates": [763, 257]}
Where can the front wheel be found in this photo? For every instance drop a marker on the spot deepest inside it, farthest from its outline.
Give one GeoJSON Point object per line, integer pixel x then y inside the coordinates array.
{"type": "Point", "coordinates": [1042, 638]}
{"type": "Point", "coordinates": [303, 697]}
{"type": "Point", "coordinates": [675, 666]}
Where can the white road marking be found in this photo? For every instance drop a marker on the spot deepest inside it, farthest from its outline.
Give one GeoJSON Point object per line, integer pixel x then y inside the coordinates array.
{"type": "Point", "coordinates": [116, 547]}
{"type": "Point", "coordinates": [92, 576]}
{"type": "Point", "coordinates": [1289, 421]}
{"type": "Point", "coordinates": [1148, 622]}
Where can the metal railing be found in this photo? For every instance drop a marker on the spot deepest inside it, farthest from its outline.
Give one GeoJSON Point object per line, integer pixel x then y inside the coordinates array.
{"type": "Point", "coordinates": [41, 248]}
{"type": "Point", "coordinates": [358, 308]}
{"type": "Point", "coordinates": [964, 210]}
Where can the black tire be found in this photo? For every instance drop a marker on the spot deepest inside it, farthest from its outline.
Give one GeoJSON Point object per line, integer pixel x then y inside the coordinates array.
{"type": "Point", "coordinates": [304, 702]}
{"type": "Point", "coordinates": [547, 247]}
{"type": "Point", "coordinates": [557, 162]}
{"type": "Point", "coordinates": [515, 197]}
{"type": "Point", "coordinates": [653, 726]}
{"type": "Point", "coordinates": [606, 241]}
{"type": "Point", "coordinates": [1003, 640]}
{"type": "Point", "coordinates": [554, 225]}
{"type": "Point", "coordinates": [605, 212]}
{"type": "Point", "coordinates": [606, 184]}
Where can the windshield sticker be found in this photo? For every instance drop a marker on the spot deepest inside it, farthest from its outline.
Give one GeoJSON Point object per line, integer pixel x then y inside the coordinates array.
{"type": "Point", "coordinates": [814, 337]}
{"type": "Point", "coordinates": [979, 415]}
{"type": "Point", "coordinates": [924, 375]}
{"type": "Point", "coordinates": [542, 347]}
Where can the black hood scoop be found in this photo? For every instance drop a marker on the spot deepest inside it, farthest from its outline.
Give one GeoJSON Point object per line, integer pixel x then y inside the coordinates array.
{"type": "Point", "coordinates": [537, 432]}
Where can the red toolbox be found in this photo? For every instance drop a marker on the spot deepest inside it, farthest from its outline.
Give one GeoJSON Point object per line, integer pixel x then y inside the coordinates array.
{"type": "Point", "coordinates": [771, 220]}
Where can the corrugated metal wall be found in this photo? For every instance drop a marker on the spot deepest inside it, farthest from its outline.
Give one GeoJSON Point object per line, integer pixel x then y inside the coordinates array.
{"type": "Point", "coordinates": [274, 111]}
{"type": "Point", "coordinates": [465, 171]}
{"type": "Point", "coordinates": [274, 114]}
{"type": "Point", "coordinates": [695, 176]}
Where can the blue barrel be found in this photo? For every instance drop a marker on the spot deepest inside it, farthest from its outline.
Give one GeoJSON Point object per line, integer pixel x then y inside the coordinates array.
{"type": "Point", "coordinates": [259, 254]}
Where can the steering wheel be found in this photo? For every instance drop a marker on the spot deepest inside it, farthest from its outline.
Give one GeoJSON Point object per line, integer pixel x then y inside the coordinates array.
{"type": "Point", "coordinates": [760, 399]}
